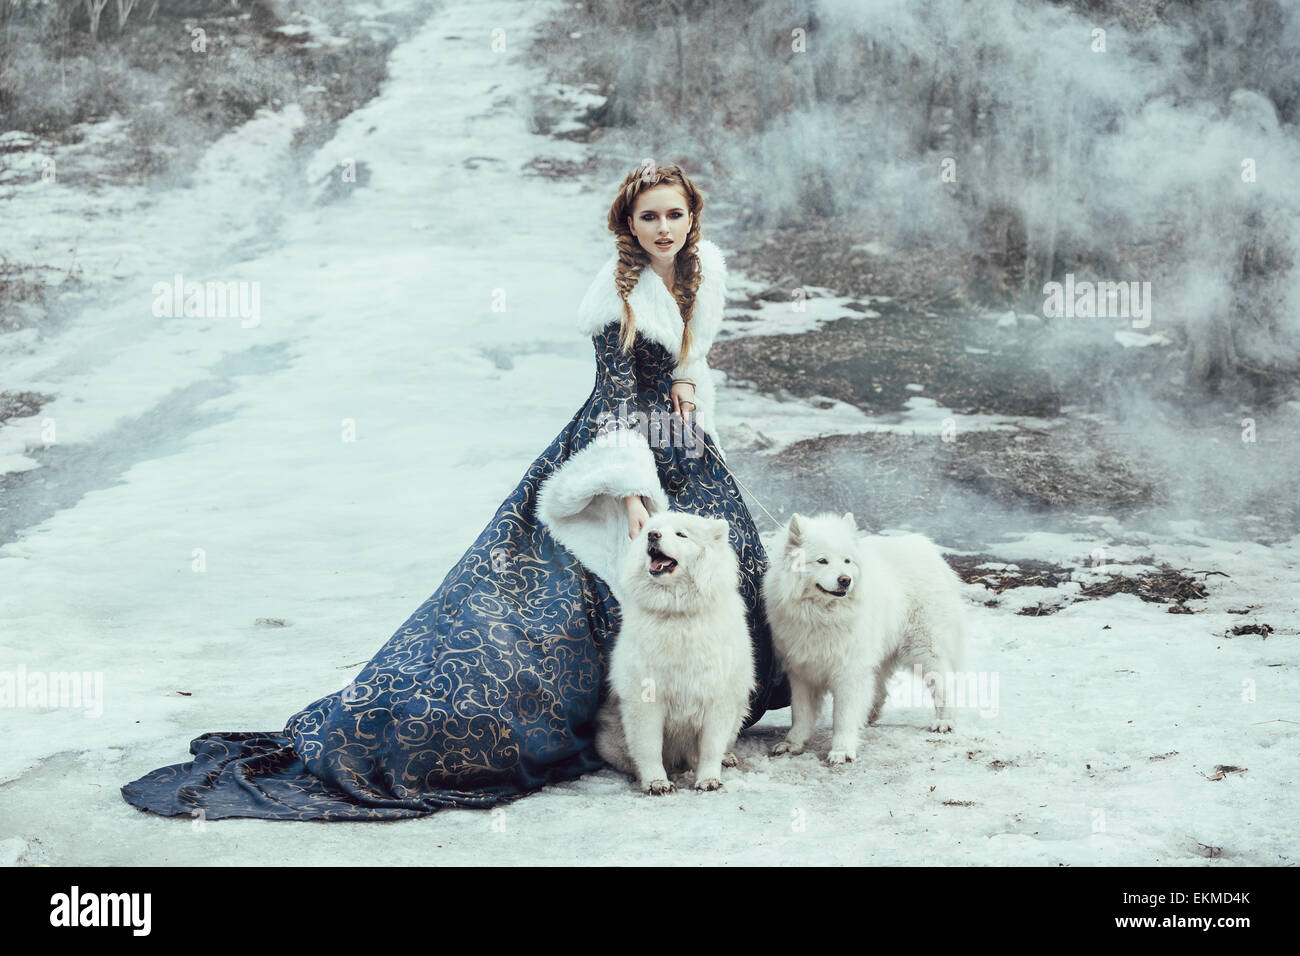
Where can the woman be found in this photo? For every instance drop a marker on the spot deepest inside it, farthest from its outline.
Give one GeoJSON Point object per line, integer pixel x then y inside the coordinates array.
{"type": "Point", "coordinates": [490, 689]}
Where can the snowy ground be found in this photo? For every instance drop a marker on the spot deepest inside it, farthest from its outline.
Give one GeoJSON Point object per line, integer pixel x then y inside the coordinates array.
{"type": "Point", "coordinates": [220, 443]}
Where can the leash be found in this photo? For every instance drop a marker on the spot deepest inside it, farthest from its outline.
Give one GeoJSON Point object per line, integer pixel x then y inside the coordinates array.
{"type": "Point", "coordinates": [738, 481]}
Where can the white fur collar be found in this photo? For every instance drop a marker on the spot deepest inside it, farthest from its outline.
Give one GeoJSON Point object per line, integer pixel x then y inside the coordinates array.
{"type": "Point", "coordinates": [657, 315]}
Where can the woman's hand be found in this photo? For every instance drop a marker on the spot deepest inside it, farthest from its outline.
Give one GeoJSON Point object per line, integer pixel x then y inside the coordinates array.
{"type": "Point", "coordinates": [637, 515]}
{"type": "Point", "coordinates": [683, 398]}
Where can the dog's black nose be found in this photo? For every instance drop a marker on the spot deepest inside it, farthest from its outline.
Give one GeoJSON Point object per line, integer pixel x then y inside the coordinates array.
{"type": "Point", "coordinates": [653, 535]}
{"type": "Point", "coordinates": [844, 580]}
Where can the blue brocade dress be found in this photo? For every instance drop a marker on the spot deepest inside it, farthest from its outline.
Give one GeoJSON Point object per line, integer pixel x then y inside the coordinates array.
{"type": "Point", "coordinates": [490, 689]}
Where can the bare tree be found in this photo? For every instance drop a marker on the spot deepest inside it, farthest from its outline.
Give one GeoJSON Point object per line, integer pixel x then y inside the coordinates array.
{"type": "Point", "coordinates": [93, 9]}
{"type": "Point", "coordinates": [628, 82]}
{"type": "Point", "coordinates": [123, 11]}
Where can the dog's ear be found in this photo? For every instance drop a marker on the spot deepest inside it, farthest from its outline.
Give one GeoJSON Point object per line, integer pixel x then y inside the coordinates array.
{"type": "Point", "coordinates": [721, 529]}
{"type": "Point", "coordinates": [850, 520]}
{"type": "Point", "coordinates": [793, 531]}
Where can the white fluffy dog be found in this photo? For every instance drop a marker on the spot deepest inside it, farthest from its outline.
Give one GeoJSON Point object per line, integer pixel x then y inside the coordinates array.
{"type": "Point", "coordinates": [682, 667]}
{"type": "Point", "coordinates": [846, 612]}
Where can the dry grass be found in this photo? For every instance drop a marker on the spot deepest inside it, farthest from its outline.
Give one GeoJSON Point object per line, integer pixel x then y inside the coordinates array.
{"type": "Point", "coordinates": [175, 99]}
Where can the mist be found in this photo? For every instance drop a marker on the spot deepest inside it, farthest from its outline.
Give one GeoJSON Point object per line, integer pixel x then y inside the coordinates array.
{"type": "Point", "coordinates": [1149, 143]}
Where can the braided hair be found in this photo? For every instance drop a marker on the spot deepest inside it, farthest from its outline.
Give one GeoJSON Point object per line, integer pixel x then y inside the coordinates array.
{"type": "Point", "coordinates": [632, 259]}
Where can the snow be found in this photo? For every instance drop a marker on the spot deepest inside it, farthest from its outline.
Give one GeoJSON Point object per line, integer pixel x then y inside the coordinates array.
{"type": "Point", "coordinates": [813, 308]}
{"type": "Point", "coordinates": [226, 489]}
{"type": "Point", "coordinates": [1138, 339]}
{"type": "Point", "coordinates": [309, 26]}
{"type": "Point", "coordinates": [784, 419]}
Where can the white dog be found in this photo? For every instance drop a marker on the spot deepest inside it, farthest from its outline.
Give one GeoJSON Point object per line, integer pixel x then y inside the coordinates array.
{"type": "Point", "coordinates": [682, 667]}
{"type": "Point", "coordinates": [846, 612]}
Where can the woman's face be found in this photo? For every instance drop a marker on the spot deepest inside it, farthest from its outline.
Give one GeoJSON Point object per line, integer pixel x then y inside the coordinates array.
{"type": "Point", "coordinates": [661, 213]}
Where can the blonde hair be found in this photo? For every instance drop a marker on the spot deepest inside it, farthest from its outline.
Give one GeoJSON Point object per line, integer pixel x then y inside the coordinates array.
{"type": "Point", "coordinates": [632, 259]}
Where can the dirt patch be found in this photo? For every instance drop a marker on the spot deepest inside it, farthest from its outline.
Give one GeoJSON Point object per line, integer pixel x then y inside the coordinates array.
{"type": "Point", "coordinates": [998, 575]}
{"type": "Point", "coordinates": [1222, 770]}
{"type": "Point", "coordinates": [1041, 609]}
{"type": "Point", "coordinates": [956, 490]}
{"type": "Point", "coordinates": [21, 404]}
{"type": "Point", "coordinates": [869, 361]}
{"type": "Point", "coordinates": [1263, 630]}
{"type": "Point", "coordinates": [938, 307]}
{"type": "Point", "coordinates": [834, 256]}
{"type": "Point", "coordinates": [1070, 466]}
{"type": "Point", "coordinates": [550, 167]}
{"type": "Point", "coordinates": [1164, 585]}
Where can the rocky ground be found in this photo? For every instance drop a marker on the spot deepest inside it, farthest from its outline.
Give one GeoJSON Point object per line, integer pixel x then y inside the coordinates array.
{"type": "Point", "coordinates": [1077, 409]}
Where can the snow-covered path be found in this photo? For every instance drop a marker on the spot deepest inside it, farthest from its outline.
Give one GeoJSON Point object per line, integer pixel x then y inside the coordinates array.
{"type": "Point", "coordinates": [228, 450]}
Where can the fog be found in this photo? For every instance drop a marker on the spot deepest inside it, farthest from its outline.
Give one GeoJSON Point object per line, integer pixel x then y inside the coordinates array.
{"type": "Point", "coordinates": [1146, 142]}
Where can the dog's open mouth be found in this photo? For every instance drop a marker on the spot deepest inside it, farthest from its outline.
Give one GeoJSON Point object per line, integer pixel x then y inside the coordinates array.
{"type": "Point", "coordinates": [660, 563]}
{"type": "Point", "coordinates": [839, 593]}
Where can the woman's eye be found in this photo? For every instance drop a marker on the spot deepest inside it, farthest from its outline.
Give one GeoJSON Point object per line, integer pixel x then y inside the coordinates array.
{"type": "Point", "coordinates": [681, 534]}
{"type": "Point", "coordinates": [822, 561]}
{"type": "Point", "coordinates": [676, 215]}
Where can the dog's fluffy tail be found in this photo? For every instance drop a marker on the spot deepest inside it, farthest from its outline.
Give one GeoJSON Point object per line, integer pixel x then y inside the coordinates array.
{"type": "Point", "coordinates": [611, 743]}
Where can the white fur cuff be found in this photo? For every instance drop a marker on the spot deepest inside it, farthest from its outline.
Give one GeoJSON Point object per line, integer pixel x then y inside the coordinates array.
{"type": "Point", "coordinates": [581, 503]}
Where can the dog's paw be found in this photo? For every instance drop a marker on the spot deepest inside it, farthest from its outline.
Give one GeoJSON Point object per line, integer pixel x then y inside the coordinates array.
{"type": "Point", "coordinates": [941, 726]}
{"type": "Point", "coordinates": [658, 788]}
{"type": "Point", "coordinates": [841, 756]}
{"type": "Point", "coordinates": [787, 747]}
{"type": "Point", "coordinates": [708, 783]}
{"type": "Point", "coordinates": [729, 760]}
